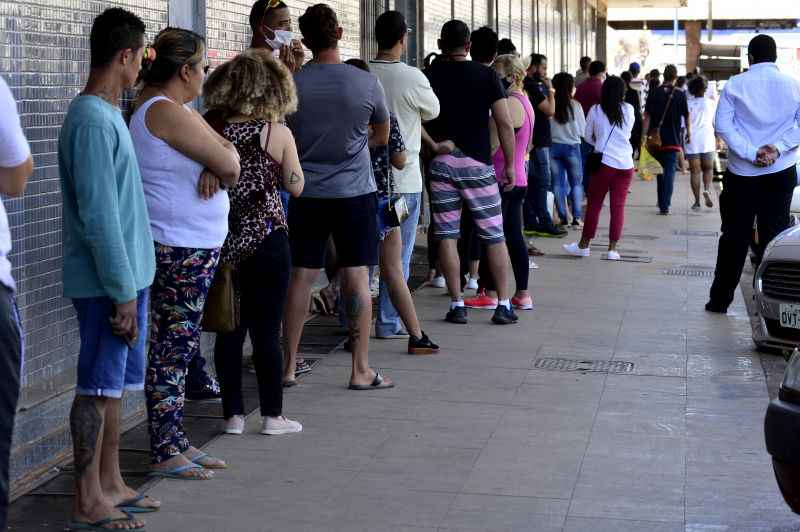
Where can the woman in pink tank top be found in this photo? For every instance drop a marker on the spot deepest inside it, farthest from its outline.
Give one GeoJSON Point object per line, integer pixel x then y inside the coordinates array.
{"type": "Point", "coordinates": [512, 72]}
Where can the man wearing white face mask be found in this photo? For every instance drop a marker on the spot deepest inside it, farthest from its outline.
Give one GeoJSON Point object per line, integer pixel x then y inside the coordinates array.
{"type": "Point", "coordinates": [271, 25]}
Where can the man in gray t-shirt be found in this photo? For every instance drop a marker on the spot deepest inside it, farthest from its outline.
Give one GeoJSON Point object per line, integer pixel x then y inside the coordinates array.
{"type": "Point", "coordinates": [336, 104]}
{"type": "Point", "coordinates": [341, 109]}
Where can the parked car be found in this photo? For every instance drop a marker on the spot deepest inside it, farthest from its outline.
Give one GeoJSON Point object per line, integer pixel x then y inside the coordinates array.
{"type": "Point", "coordinates": [782, 434]}
{"type": "Point", "coordinates": [777, 294]}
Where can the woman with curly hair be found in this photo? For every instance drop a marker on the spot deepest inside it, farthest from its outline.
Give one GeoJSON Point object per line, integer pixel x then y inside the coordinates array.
{"type": "Point", "coordinates": [181, 160]}
{"type": "Point", "coordinates": [252, 94]}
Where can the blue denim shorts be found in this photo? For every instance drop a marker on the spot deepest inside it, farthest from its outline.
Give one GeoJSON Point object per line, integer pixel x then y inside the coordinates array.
{"type": "Point", "coordinates": [106, 365]}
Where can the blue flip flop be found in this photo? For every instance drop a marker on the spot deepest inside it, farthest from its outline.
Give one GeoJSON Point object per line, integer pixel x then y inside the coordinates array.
{"type": "Point", "coordinates": [101, 524]}
{"type": "Point", "coordinates": [176, 473]}
{"type": "Point", "coordinates": [130, 506]}
{"type": "Point", "coordinates": [197, 460]}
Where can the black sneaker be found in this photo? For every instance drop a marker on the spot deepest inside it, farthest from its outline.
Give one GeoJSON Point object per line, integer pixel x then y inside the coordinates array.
{"type": "Point", "coordinates": [302, 367]}
{"type": "Point", "coordinates": [504, 316]}
{"type": "Point", "coordinates": [551, 232]}
{"type": "Point", "coordinates": [457, 315]}
{"type": "Point", "coordinates": [207, 392]}
{"type": "Point", "coordinates": [716, 308]}
{"type": "Point", "coordinates": [422, 345]}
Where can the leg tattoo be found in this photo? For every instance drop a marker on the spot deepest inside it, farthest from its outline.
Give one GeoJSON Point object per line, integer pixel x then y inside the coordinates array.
{"type": "Point", "coordinates": [353, 309]}
{"type": "Point", "coordinates": [85, 422]}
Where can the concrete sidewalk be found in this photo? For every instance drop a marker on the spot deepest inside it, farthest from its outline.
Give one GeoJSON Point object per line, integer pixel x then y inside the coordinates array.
{"type": "Point", "coordinates": [483, 437]}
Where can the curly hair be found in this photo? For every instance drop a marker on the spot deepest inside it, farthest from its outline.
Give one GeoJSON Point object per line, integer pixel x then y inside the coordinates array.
{"type": "Point", "coordinates": [319, 27]}
{"type": "Point", "coordinates": [252, 84]}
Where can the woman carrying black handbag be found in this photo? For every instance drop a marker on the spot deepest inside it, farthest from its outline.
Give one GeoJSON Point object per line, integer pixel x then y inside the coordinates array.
{"type": "Point", "coordinates": [608, 129]}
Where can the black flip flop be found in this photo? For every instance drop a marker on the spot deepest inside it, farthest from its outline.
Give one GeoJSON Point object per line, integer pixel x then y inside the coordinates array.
{"type": "Point", "coordinates": [377, 384]}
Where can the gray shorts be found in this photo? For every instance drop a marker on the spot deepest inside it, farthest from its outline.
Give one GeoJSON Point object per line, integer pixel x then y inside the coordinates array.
{"type": "Point", "coordinates": [704, 157]}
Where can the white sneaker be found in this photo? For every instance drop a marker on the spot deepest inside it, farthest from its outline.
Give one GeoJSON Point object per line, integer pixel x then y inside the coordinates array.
{"type": "Point", "coordinates": [613, 255]}
{"type": "Point", "coordinates": [234, 425]}
{"type": "Point", "coordinates": [472, 283]}
{"type": "Point", "coordinates": [575, 251]}
{"type": "Point", "coordinates": [439, 282]}
{"type": "Point", "coordinates": [532, 265]}
{"type": "Point", "coordinates": [275, 426]}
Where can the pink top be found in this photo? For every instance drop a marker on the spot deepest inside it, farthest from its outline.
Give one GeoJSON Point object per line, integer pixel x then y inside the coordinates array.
{"type": "Point", "coordinates": [523, 138]}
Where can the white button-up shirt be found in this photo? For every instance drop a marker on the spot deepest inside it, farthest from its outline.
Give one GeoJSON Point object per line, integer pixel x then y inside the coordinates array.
{"type": "Point", "coordinates": [756, 108]}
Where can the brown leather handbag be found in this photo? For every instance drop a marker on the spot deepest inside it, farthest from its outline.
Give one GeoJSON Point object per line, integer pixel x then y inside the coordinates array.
{"type": "Point", "coordinates": [221, 314]}
{"type": "Point", "coordinates": [653, 142]}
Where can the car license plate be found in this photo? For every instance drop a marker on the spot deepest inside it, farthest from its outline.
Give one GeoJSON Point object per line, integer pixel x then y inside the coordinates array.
{"type": "Point", "coordinates": [790, 316]}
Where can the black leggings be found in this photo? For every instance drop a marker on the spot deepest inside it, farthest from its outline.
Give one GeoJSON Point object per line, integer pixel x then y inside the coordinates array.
{"type": "Point", "coordinates": [517, 248]}
{"type": "Point", "coordinates": [263, 282]}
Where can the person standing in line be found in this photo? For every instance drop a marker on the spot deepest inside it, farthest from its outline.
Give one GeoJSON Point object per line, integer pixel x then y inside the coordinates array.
{"type": "Point", "coordinates": [567, 127]}
{"type": "Point", "coordinates": [506, 47]}
{"type": "Point", "coordinates": [632, 97]}
{"type": "Point", "coordinates": [108, 267]}
{"type": "Point", "coordinates": [467, 175]}
{"type": "Point", "coordinates": [512, 73]}
{"type": "Point", "coordinates": [385, 159]}
{"type": "Point", "coordinates": [703, 144]}
{"type": "Point", "coordinates": [636, 83]}
{"type": "Point", "coordinates": [410, 97]}
{"type": "Point", "coordinates": [538, 221]}
{"type": "Point", "coordinates": [588, 95]}
{"type": "Point", "coordinates": [271, 26]}
{"type": "Point", "coordinates": [337, 104]}
{"type": "Point", "coordinates": [257, 245]}
{"type": "Point", "coordinates": [652, 82]}
{"type": "Point", "coordinates": [758, 117]}
{"type": "Point", "coordinates": [583, 73]}
{"type": "Point", "coordinates": [608, 129]}
{"type": "Point", "coordinates": [16, 166]}
{"type": "Point", "coordinates": [183, 163]}
{"type": "Point", "coordinates": [666, 109]}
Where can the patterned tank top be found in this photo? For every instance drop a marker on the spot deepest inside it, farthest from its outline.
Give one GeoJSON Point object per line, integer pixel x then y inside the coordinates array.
{"type": "Point", "coordinates": [256, 208]}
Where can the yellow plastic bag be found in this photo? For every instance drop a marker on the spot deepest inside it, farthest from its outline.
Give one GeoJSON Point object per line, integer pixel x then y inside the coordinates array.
{"type": "Point", "coordinates": [648, 166]}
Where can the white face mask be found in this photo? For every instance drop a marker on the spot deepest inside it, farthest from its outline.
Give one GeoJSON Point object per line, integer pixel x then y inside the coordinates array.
{"type": "Point", "coordinates": [282, 38]}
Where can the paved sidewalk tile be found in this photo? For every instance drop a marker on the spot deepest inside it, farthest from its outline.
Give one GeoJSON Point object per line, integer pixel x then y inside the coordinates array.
{"type": "Point", "coordinates": [492, 435]}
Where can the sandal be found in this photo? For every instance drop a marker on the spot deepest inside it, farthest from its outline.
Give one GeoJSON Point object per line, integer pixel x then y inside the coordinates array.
{"type": "Point", "coordinates": [207, 461]}
{"type": "Point", "coordinates": [377, 384]}
{"type": "Point", "coordinates": [178, 473]}
{"type": "Point", "coordinates": [101, 524]}
{"type": "Point", "coordinates": [132, 506]}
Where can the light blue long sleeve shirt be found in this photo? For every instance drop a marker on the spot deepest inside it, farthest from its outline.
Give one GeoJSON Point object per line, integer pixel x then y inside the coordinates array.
{"type": "Point", "coordinates": [757, 108]}
{"type": "Point", "coordinates": [108, 246]}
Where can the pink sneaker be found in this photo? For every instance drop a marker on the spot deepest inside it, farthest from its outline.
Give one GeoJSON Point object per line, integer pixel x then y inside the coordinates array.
{"type": "Point", "coordinates": [522, 303]}
{"type": "Point", "coordinates": [481, 301]}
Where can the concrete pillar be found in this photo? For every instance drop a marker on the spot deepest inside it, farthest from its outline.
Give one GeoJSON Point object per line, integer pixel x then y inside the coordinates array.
{"type": "Point", "coordinates": [693, 30]}
{"type": "Point", "coordinates": [602, 32]}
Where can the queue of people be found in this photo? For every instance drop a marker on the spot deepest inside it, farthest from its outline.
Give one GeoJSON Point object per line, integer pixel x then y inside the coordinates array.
{"type": "Point", "coordinates": [160, 210]}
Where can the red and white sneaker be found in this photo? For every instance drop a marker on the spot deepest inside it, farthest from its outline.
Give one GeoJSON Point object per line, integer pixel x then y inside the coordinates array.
{"type": "Point", "coordinates": [481, 301]}
{"type": "Point", "coordinates": [522, 303]}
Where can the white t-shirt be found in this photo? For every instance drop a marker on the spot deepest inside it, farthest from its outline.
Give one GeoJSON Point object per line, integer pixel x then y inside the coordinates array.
{"type": "Point", "coordinates": [410, 97]}
{"type": "Point", "coordinates": [14, 151]}
{"type": "Point", "coordinates": [179, 217]}
{"type": "Point", "coordinates": [614, 141]}
{"type": "Point", "coordinates": [701, 114]}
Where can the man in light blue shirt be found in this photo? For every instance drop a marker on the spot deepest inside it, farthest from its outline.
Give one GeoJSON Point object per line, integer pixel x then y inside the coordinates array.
{"type": "Point", "coordinates": [758, 117]}
{"type": "Point", "coordinates": [109, 265]}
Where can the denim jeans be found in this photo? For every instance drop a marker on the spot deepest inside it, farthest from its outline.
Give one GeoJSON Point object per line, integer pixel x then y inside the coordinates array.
{"type": "Point", "coordinates": [10, 362]}
{"type": "Point", "coordinates": [666, 181]}
{"type": "Point", "coordinates": [535, 212]}
{"type": "Point", "coordinates": [388, 321]}
{"type": "Point", "coordinates": [567, 170]}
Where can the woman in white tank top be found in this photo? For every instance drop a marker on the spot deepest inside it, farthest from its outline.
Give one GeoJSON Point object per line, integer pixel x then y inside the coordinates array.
{"type": "Point", "coordinates": [184, 166]}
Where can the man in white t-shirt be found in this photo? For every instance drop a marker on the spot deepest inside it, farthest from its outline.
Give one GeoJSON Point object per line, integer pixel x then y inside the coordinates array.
{"type": "Point", "coordinates": [16, 165]}
{"type": "Point", "coordinates": [410, 97]}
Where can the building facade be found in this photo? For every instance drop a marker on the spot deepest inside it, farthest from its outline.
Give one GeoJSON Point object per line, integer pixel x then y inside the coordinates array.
{"type": "Point", "coordinates": [44, 56]}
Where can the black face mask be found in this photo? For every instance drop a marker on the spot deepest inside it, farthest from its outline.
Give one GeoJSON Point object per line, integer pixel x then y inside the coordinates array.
{"type": "Point", "coordinates": [506, 83]}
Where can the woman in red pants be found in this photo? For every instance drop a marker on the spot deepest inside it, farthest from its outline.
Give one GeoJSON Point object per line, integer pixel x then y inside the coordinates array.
{"type": "Point", "coordinates": [608, 130]}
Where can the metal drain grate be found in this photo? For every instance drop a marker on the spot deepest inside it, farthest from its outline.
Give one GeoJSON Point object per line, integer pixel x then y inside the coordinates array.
{"type": "Point", "coordinates": [695, 233]}
{"type": "Point", "coordinates": [690, 270]}
{"type": "Point", "coordinates": [592, 366]}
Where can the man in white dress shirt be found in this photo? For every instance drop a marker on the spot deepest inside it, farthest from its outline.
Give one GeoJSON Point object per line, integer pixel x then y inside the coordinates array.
{"type": "Point", "coordinates": [758, 117]}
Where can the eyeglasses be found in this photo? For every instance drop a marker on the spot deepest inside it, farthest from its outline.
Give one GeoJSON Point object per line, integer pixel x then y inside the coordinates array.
{"type": "Point", "coordinates": [272, 4]}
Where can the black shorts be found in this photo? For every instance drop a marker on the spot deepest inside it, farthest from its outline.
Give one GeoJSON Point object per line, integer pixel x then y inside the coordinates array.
{"type": "Point", "coordinates": [353, 222]}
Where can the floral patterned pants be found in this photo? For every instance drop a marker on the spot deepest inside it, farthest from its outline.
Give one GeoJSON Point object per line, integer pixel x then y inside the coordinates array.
{"type": "Point", "coordinates": [183, 278]}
